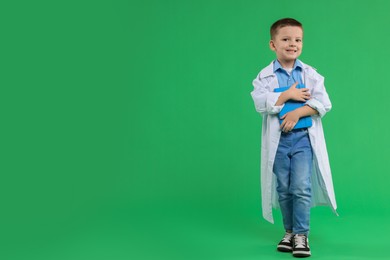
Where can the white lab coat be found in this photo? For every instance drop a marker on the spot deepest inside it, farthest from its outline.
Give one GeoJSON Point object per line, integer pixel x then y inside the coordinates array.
{"type": "Point", "coordinates": [265, 99]}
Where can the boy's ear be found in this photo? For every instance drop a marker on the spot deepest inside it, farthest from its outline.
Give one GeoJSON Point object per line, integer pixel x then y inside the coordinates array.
{"type": "Point", "coordinates": [272, 45]}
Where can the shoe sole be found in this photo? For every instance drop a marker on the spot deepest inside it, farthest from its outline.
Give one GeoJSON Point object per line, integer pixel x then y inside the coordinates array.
{"type": "Point", "coordinates": [301, 254]}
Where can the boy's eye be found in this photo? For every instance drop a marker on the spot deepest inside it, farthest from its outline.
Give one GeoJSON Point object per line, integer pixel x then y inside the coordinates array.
{"type": "Point", "coordinates": [285, 40]}
{"type": "Point", "coordinates": [299, 40]}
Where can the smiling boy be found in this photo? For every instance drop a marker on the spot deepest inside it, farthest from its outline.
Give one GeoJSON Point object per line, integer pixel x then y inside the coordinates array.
{"type": "Point", "coordinates": [295, 170]}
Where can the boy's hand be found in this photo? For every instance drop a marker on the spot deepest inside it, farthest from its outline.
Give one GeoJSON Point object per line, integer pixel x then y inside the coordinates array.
{"type": "Point", "coordinates": [298, 94]}
{"type": "Point", "coordinates": [290, 119]}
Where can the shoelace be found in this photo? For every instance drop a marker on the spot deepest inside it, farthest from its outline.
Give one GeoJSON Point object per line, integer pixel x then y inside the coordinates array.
{"type": "Point", "coordinates": [287, 237]}
{"type": "Point", "coordinates": [300, 241]}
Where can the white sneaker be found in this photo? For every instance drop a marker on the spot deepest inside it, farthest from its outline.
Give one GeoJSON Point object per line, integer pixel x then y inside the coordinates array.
{"type": "Point", "coordinates": [301, 246]}
{"type": "Point", "coordinates": [286, 244]}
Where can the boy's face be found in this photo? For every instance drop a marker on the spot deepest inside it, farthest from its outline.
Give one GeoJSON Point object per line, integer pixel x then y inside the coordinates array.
{"type": "Point", "coordinates": [287, 44]}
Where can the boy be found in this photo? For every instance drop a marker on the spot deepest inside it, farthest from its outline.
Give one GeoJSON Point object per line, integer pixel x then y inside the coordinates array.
{"type": "Point", "coordinates": [295, 171]}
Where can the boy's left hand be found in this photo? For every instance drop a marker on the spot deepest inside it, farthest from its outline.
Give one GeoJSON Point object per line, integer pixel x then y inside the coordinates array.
{"type": "Point", "coordinates": [290, 119]}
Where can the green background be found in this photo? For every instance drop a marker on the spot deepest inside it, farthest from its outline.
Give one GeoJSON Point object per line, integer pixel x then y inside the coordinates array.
{"type": "Point", "coordinates": [128, 130]}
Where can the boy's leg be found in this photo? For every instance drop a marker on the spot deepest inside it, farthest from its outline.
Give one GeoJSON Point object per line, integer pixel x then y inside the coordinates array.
{"type": "Point", "coordinates": [281, 169]}
{"type": "Point", "coordinates": [300, 183]}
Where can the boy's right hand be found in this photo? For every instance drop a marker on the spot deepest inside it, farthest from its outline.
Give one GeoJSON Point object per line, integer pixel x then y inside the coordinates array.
{"type": "Point", "coordinates": [298, 94]}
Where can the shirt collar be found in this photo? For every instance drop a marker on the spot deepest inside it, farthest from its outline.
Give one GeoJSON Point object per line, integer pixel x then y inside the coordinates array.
{"type": "Point", "coordinates": [297, 64]}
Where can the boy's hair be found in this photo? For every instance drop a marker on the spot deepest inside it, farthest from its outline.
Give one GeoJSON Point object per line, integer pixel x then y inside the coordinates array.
{"type": "Point", "coordinates": [283, 23]}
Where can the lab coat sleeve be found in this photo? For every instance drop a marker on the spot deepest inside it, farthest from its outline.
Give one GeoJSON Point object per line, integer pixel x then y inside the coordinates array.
{"type": "Point", "coordinates": [319, 98]}
{"type": "Point", "coordinates": [263, 98]}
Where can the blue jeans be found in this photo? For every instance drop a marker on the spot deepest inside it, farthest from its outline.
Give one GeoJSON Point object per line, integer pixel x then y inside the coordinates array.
{"type": "Point", "coordinates": [293, 167]}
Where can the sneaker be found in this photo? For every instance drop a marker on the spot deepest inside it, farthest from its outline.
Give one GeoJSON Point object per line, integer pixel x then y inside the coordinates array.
{"type": "Point", "coordinates": [286, 244]}
{"type": "Point", "coordinates": [301, 246]}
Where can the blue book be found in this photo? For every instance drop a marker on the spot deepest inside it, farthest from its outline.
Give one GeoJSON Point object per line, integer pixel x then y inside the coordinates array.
{"type": "Point", "coordinates": [290, 105]}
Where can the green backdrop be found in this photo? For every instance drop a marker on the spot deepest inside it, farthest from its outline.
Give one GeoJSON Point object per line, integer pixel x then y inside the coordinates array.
{"type": "Point", "coordinates": [128, 130]}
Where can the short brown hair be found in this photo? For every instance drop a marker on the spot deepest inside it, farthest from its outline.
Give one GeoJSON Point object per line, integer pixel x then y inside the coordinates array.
{"type": "Point", "coordinates": [282, 23]}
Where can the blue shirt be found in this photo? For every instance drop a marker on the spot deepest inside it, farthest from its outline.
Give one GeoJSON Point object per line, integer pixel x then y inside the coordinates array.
{"type": "Point", "coordinates": [286, 79]}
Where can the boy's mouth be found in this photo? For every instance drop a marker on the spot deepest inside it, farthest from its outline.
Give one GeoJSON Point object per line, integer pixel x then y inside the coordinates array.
{"type": "Point", "coordinates": [291, 51]}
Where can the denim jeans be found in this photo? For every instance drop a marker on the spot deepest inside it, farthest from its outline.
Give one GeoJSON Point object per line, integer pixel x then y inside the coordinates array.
{"type": "Point", "coordinates": [293, 167]}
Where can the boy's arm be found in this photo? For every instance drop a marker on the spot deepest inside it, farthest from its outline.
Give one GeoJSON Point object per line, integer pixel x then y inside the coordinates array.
{"type": "Point", "coordinates": [264, 99]}
{"type": "Point", "coordinates": [320, 99]}
{"type": "Point", "coordinates": [293, 93]}
{"type": "Point", "coordinates": [267, 102]}
{"type": "Point", "coordinates": [290, 119]}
